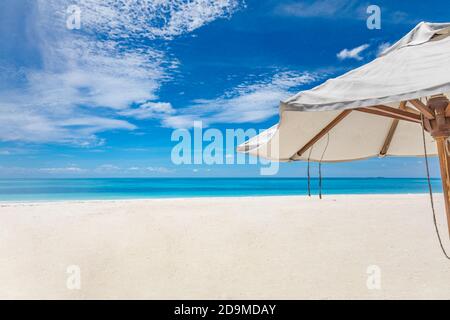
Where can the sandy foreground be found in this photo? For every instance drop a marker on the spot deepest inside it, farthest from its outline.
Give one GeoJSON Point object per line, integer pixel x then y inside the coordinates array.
{"type": "Point", "coordinates": [224, 248]}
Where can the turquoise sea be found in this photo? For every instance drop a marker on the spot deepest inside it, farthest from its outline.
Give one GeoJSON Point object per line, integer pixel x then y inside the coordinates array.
{"type": "Point", "coordinates": [137, 188]}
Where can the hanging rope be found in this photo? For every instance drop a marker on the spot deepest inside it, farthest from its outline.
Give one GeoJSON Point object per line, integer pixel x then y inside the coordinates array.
{"type": "Point", "coordinates": [309, 174]}
{"type": "Point", "coordinates": [430, 190]}
{"type": "Point", "coordinates": [320, 166]}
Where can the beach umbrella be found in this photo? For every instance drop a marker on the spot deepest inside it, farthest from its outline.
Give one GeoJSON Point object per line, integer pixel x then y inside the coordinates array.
{"type": "Point", "coordinates": [396, 105]}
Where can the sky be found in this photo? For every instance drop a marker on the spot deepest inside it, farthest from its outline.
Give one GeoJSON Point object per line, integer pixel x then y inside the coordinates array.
{"type": "Point", "coordinates": [103, 100]}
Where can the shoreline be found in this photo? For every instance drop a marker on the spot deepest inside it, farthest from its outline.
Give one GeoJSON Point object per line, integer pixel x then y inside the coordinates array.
{"type": "Point", "coordinates": [325, 196]}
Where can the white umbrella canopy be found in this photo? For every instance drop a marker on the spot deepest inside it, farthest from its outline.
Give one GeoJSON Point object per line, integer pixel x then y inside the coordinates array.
{"type": "Point", "coordinates": [404, 77]}
{"type": "Point", "coordinates": [378, 109]}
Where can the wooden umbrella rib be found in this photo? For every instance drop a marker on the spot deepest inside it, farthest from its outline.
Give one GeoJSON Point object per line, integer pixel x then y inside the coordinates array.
{"type": "Point", "coordinates": [390, 112]}
{"type": "Point", "coordinates": [324, 131]}
{"type": "Point", "coordinates": [382, 114]}
{"type": "Point", "coordinates": [380, 110]}
{"type": "Point", "coordinates": [388, 140]}
{"type": "Point", "coordinates": [419, 105]}
{"type": "Point", "coordinates": [398, 112]}
{"type": "Point", "coordinates": [391, 132]}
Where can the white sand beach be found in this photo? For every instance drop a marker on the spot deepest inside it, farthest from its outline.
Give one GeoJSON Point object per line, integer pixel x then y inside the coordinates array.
{"type": "Point", "coordinates": [224, 248]}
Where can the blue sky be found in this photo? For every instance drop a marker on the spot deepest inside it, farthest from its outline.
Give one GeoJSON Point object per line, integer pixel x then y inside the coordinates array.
{"type": "Point", "coordinates": [103, 101]}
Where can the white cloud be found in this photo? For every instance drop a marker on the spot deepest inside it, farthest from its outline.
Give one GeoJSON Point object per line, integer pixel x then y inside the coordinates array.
{"type": "Point", "coordinates": [246, 103]}
{"type": "Point", "coordinates": [159, 169]}
{"type": "Point", "coordinates": [149, 110]}
{"type": "Point", "coordinates": [152, 19]}
{"type": "Point", "coordinates": [76, 83]}
{"type": "Point", "coordinates": [149, 170]}
{"type": "Point", "coordinates": [181, 121]}
{"type": "Point", "coordinates": [62, 170]}
{"type": "Point", "coordinates": [353, 53]}
{"type": "Point", "coordinates": [107, 168]}
{"type": "Point", "coordinates": [341, 9]}
{"type": "Point", "coordinates": [31, 124]}
{"type": "Point", "coordinates": [383, 47]}
{"type": "Point", "coordinates": [323, 9]}
{"type": "Point", "coordinates": [73, 170]}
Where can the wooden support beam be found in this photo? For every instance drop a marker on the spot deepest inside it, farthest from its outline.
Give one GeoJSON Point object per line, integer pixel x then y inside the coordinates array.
{"type": "Point", "coordinates": [447, 111]}
{"type": "Point", "coordinates": [427, 112]}
{"type": "Point", "coordinates": [390, 112]}
{"type": "Point", "coordinates": [412, 110]}
{"type": "Point", "coordinates": [427, 125]}
{"type": "Point", "coordinates": [324, 131]}
{"type": "Point", "coordinates": [390, 135]}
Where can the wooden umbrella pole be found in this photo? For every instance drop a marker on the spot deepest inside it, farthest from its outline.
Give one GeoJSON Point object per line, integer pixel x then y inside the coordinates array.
{"type": "Point", "coordinates": [444, 166]}
{"type": "Point", "coordinates": [440, 130]}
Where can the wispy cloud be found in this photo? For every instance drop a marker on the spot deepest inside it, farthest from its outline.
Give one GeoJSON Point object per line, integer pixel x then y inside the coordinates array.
{"type": "Point", "coordinates": [78, 83]}
{"type": "Point", "coordinates": [150, 19]}
{"type": "Point", "coordinates": [64, 170]}
{"type": "Point", "coordinates": [149, 110]}
{"type": "Point", "coordinates": [12, 151]}
{"type": "Point", "coordinates": [159, 169]}
{"type": "Point", "coordinates": [74, 170]}
{"type": "Point", "coordinates": [342, 9]}
{"type": "Point", "coordinates": [323, 9]}
{"type": "Point", "coordinates": [148, 170]}
{"type": "Point", "coordinates": [253, 102]}
{"type": "Point", "coordinates": [107, 168]}
{"type": "Point", "coordinates": [354, 53]}
{"type": "Point", "coordinates": [383, 47]}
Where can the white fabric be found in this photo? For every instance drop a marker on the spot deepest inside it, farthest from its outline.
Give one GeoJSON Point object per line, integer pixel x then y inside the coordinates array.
{"type": "Point", "coordinates": [416, 67]}
{"type": "Point", "coordinates": [424, 32]}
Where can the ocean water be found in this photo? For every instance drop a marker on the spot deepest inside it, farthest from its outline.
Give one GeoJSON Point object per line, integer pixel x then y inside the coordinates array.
{"type": "Point", "coordinates": [138, 188]}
